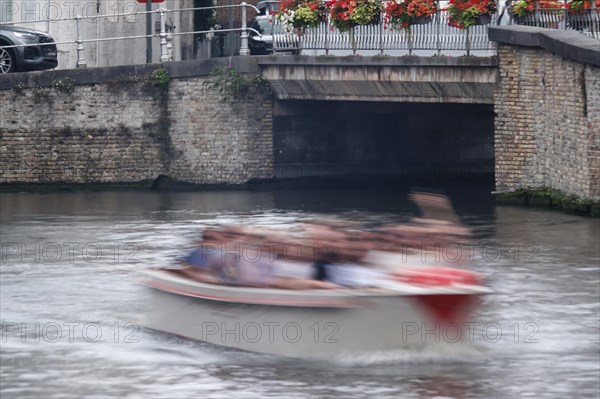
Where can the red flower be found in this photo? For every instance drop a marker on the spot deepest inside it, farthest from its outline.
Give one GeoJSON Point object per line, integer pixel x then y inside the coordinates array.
{"type": "Point", "coordinates": [402, 13]}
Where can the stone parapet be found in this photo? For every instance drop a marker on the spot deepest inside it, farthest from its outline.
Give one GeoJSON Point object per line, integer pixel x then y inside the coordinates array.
{"type": "Point", "coordinates": [410, 79]}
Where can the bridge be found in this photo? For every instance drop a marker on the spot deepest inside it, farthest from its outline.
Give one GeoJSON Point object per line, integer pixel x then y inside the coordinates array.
{"type": "Point", "coordinates": [326, 116]}
{"type": "Point", "coordinates": [380, 78]}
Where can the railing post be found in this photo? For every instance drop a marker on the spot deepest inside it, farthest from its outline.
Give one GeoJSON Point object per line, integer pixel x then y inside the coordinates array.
{"type": "Point", "coordinates": [563, 23]}
{"type": "Point", "coordinates": [275, 45]}
{"type": "Point", "coordinates": [327, 28]}
{"type": "Point", "coordinates": [80, 49]}
{"type": "Point", "coordinates": [170, 46]}
{"type": "Point", "coordinates": [594, 13]}
{"type": "Point", "coordinates": [149, 30]}
{"type": "Point", "coordinates": [381, 25]}
{"type": "Point", "coordinates": [468, 40]}
{"type": "Point", "coordinates": [164, 51]}
{"type": "Point", "coordinates": [436, 18]}
{"type": "Point", "coordinates": [209, 37]}
{"type": "Point", "coordinates": [244, 50]}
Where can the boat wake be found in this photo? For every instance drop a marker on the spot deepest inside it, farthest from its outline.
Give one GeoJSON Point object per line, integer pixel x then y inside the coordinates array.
{"type": "Point", "coordinates": [439, 353]}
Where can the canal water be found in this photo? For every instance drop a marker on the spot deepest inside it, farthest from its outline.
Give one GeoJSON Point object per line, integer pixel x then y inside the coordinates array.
{"type": "Point", "coordinates": [72, 308]}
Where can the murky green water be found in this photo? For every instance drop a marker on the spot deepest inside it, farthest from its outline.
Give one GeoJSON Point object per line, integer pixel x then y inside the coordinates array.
{"type": "Point", "coordinates": [72, 318]}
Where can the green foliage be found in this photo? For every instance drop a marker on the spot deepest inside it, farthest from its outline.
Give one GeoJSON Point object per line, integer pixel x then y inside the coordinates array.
{"type": "Point", "coordinates": [346, 14]}
{"type": "Point", "coordinates": [366, 12]}
{"type": "Point", "coordinates": [262, 85]}
{"type": "Point", "coordinates": [236, 86]}
{"type": "Point", "coordinates": [465, 13]}
{"type": "Point", "coordinates": [159, 78]}
{"type": "Point", "coordinates": [580, 6]}
{"type": "Point", "coordinates": [65, 85]}
{"type": "Point", "coordinates": [545, 196]}
{"type": "Point", "coordinates": [308, 17]}
{"type": "Point", "coordinates": [523, 7]}
{"type": "Point", "coordinates": [40, 93]}
{"type": "Point", "coordinates": [302, 14]}
{"type": "Point", "coordinates": [19, 88]}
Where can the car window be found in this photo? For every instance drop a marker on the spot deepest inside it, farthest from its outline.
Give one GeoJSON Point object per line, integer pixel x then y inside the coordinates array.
{"type": "Point", "coordinates": [263, 25]}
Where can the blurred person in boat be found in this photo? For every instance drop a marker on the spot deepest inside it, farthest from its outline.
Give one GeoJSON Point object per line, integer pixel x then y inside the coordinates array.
{"type": "Point", "coordinates": [199, 264]}
{"type": "Point", "coordinates": [438, 218]}
{"type": "Point", "coordinates": [437, 236]}
{"type": "Point", "coordinates": [348, 267]}
{"type": "Point", "coordinates": [339, 251]}
{"type": "Point", "coordinates": [329, 254]}
{"type": "Point", "coordinates": [293, 264]}
{"type": "Point", "coordinates": [216, 258]}
{"type": "Point", "coordinates": [430, 248]}
{"type": "Point", "coordinates": [253, 257]}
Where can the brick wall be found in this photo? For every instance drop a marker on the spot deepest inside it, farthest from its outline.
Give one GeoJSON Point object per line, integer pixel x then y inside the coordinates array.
{"type": "Point", "coordinates": [217, 140]}
{"type": "Point", "coordinates": [547, 129]}
{"type": "Point", "coordinates": [95, 134]}
{"type": "Point", "coordinates": [124, 130]}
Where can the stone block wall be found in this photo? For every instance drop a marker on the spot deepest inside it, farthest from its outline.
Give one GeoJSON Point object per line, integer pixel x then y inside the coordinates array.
{"type": "Point", "coordinates": [547, 129]}
{"type": "Point", "coordinates": [96, 134]}
{"type": "Point", "coordinates": [217, 140]}
{"type": "Point", "coordinates": [112, 126]}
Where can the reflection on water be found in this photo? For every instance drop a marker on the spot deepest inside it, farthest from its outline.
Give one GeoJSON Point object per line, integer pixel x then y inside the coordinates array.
{"type": "Point", "coordinates": [72, 322]}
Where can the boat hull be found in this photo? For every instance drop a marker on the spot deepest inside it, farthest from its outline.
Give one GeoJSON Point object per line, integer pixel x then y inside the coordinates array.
{"type": "Point", "coordinates": [326, 323]}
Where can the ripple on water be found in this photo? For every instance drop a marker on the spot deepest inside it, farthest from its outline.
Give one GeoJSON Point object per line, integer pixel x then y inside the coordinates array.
{"type": "Point", "coordinates": [558, 293]}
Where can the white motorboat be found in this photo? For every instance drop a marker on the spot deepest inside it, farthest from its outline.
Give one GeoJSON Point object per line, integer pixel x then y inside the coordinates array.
{"type": "Point", "coordinates": [432, 307]}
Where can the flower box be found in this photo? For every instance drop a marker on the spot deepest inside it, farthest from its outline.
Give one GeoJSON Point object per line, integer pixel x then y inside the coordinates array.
{"type": "Point", "coordinates": [542, 13]}
{"type": "Point", "coordinates": [404, 13]}
{"type": "Point", "coordinates": [583, 6]}
{"type": "Point", "coordinates": [301, 14]}
{"type": "Point", "coordinates": [465, 13]}
{"type": "Point", "coordinates": [346, 14]}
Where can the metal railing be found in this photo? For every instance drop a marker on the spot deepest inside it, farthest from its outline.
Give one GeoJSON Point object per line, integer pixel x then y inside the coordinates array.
{"type": "Point", "coordinates": [586, 21]}
{"type": "Point", "coordinates": [436, 37]}
{"type": "Point", "coordinates": [165, 35]}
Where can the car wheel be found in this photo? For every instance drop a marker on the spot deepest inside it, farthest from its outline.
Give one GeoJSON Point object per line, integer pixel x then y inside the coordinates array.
{"type": "Point", "coordinates": [7, 61]}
